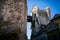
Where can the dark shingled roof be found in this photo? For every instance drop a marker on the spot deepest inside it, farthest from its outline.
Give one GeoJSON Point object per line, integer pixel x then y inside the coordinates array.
{"type": "Point", "coordinates": [56, 15]}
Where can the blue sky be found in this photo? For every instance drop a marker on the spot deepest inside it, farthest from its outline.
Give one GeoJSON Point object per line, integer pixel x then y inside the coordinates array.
{"type": "Point", "coordinates": [42, 4]}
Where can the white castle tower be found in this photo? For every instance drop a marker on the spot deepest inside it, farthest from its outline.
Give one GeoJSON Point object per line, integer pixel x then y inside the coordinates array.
{"type": "Point", "coordinates": [34, 10]}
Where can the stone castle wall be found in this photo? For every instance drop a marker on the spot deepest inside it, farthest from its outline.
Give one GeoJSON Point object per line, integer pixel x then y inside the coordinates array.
{"type": "Point", "coordinates": [14, 11]}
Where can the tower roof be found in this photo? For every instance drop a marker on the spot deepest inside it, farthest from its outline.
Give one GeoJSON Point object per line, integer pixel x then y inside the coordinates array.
{"type": "Point", "coordinates": [35, 8]}
{"type": "Point", "coordinates": [47, 7]}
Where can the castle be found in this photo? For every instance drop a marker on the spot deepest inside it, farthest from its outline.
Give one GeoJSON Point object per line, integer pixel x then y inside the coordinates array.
{"type": "Point", "coordinates": [40, 17]}
{"type": "Point", "coordinates": [42, 26]}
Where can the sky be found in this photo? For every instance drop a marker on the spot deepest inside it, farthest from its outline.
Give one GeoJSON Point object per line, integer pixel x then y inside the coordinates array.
{"type": "Point", "coordinates": [42, 4]}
